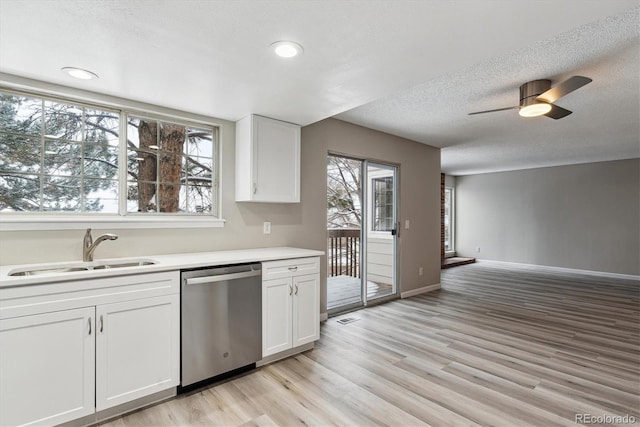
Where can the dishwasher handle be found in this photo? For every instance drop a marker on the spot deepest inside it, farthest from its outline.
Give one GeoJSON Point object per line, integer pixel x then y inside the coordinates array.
{"type": "Point", "coordinates": [221, 277]}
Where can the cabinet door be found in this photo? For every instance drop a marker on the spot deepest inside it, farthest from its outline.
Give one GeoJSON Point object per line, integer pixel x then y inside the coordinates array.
{"type": "Point", "coordinates": [306, 309]}
{"type": "Point", "coordinates": [276, 156]}
{"type": "Point", "coordinates": [276, 315]}
{"type": "Point", "coordinates": [47, 367]}
{"type": "Point", "coordinates": [137, 349]}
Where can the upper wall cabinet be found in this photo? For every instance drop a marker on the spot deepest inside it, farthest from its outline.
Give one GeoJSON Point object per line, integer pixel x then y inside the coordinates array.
{"type": "Point", "coordinates": [267, 160]}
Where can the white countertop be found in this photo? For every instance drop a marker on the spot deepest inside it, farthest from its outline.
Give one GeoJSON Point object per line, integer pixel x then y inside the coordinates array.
{"type": "Point", "coordinates": [162, 263]}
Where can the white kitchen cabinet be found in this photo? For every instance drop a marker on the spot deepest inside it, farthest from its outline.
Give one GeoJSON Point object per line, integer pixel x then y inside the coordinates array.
{"type": "Point", "coordinates": [47, 367]}
{"type": "Point", "coordinates": [290, 304]}
{"type": "Point", "coordinates": [71, 349]}
{"type": "Point", "coordinates": [137, 352]}
{"type": "Point", "coordinates": [267, 160]}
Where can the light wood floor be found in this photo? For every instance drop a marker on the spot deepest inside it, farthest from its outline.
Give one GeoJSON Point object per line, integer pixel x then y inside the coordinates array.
{"type": "Point", "coordinates": [495, 346]}
{"type": "Point", "coordinates": [344, 290]}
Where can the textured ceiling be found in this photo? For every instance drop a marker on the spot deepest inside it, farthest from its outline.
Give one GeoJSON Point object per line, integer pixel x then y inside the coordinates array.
{"type": "Point", "coordinates": [604, 125]}
{"type": "Point", "coordinates": [411, 68]}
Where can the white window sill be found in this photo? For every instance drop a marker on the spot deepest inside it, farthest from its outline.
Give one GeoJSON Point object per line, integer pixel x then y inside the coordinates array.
{"type": "Point", "coordinates": [113, 222]}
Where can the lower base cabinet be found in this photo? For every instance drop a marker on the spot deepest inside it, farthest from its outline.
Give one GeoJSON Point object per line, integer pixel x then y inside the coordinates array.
{"type": "Point", "coordinates": [63, 365]}
{"type": "Point", "coordinates": [290, 304]}
{"type": "Point", "coordinates": [47, 367]}
{"type": "Point", "coordinates": [135, 350]}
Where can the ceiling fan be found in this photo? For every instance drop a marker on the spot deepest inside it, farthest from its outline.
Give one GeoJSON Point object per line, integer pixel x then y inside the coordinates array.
{"type": "Point", "coordinates": [537, 97]}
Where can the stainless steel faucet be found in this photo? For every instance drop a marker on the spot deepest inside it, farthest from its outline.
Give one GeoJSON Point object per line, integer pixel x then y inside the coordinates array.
{"type": "Point", "coordinates": [89, 246]}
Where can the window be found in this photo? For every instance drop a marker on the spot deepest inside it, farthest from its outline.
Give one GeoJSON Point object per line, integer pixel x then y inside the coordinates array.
{"type": "Point", "coordinates": [448, 219]}
{"type": "Point", "coordinates": [169, 167]}
{"type": "Point", "coordinates": [382, 203]}
{"type": "Point", "coordinates": [61, 157]}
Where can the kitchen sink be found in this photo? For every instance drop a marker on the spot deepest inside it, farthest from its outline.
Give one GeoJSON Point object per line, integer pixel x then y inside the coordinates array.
{"type": "Point", "coordinates": [80, 266]}
{"type": "Point", "coordinates": [121, 264]}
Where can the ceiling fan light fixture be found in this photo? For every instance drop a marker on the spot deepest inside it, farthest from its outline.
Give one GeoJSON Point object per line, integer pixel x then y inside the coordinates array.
{"type": "Point", "coordinates": [535, 110]}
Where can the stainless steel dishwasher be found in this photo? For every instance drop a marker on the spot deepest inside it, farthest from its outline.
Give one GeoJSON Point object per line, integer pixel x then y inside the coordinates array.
{"type": "Point", "coordinates": [221, 328]}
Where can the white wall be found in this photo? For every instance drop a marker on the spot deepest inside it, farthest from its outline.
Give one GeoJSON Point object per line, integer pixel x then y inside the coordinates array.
{"type": "Point", "coordinates": [580, 216]}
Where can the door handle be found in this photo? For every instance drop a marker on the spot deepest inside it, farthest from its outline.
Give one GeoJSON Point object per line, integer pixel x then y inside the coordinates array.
{"type": "Point", "coordinates": [101, 323]}
{"type": "Point", "coordinates": [296, 289]}
{"type": "Point", "coordinates": [290, 289]}
{"type": "Point", "coordinates": [89, 325]}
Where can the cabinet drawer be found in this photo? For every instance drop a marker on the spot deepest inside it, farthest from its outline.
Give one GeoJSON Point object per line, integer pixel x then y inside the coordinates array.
{"type": "Point", "coordinates": [290, 267]}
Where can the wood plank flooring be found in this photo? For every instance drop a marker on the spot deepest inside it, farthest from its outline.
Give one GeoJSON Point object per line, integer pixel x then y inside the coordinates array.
{"type": "Point", "coordinates": [496, 346]}
{"type": "Point", "coordinates": [344, 290]}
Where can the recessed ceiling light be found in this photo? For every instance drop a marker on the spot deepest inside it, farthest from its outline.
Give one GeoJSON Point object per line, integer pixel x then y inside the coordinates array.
{"type": "Point", "coordinates": [286, 49]}
{"type": "Point", "coordinates": [79, 73]}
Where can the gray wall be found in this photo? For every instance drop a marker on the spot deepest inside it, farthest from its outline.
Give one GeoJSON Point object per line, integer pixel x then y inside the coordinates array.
{"type": "Point", "coordinates": [419, 178]}
{"type": "Point", "coordinates": [302, 225]}
{"type": "Point", "coordinates": [580, 216]}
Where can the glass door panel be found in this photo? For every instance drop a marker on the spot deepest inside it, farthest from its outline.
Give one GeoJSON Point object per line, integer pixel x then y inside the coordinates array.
{"type": "Point", "coordinates": [381, 230]}
{"type": "Point", "coordinates": [344, 231]}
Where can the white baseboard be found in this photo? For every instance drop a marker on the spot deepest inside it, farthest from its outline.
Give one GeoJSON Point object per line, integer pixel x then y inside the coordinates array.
{"type": "Point", "coordinates": [559, 269]}
{"type": "Point", "coordinates": [324, 317]}
{"type": "Point", "coordinates": [422, 290]}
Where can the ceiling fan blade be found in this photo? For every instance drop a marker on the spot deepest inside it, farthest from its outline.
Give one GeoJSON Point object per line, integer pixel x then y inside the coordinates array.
{"type": "Point", "coordinates": [493, 111]}
{"type": "Point", "coordinates": [564, 88]}
{"type": "Point", "coordinates": [557, 112]}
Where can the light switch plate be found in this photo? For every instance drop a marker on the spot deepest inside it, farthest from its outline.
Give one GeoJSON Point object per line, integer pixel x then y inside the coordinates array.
{"type": "Point", "coordinates": [266, 227]}
{"type": "Point", "coordinates": [406, 224]}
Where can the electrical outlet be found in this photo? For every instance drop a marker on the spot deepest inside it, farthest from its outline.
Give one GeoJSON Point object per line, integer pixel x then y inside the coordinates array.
{"type": "Point", "coordinates": [421, 271]}
{"type": "Point", "coordinates": [266, 228]}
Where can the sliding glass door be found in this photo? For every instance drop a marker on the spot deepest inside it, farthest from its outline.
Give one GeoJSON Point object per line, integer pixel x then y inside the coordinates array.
{"type": "Point", "coordinates": [361, 232]}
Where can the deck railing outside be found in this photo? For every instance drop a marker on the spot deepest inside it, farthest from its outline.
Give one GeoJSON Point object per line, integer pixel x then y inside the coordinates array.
{"type": "Point", "coordinates": [343, 247]}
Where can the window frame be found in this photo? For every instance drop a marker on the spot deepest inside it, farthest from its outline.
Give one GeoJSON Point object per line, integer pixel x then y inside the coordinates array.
{"type": "Point", "coordinates": [17, 221]}
{"type": "Point", "coordinates": [452, 247]}
{"type": "Point", "coordinates": [375, 206]}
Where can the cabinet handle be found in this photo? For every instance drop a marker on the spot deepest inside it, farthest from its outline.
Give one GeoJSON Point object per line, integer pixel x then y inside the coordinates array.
{"type": "Point", "coordinates": [255, 188]}
{"type": "Point", "coordinates": [293, 268]}
{"type": "Point", "coordinates": [290, 289]}
{"type": "Point", "coordinates": [101, 323]}
{"type": "Point", "coordinates": [89, 325]}
{"type": "Point", "coordinates": [296, 289]}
